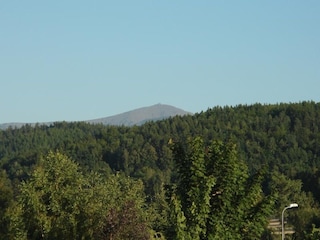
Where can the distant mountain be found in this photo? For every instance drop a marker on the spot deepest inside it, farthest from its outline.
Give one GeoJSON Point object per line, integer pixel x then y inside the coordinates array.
{"type": "Point", "coordinates": [14, 125]}
{"type": "Point", "coordinates": [134, 117]}
{"type": "Point", "coordinates": [141, 115]}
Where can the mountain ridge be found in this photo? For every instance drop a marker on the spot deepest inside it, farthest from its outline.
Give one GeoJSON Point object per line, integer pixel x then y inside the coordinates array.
{"type": "Point", "coordinates": [141, 115]}
{"type": "Point", "coordinates": [133, 117]}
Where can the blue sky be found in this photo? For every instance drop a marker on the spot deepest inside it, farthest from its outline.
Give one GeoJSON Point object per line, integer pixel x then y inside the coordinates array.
{"type": "Point", "coordinates": [80, 60]}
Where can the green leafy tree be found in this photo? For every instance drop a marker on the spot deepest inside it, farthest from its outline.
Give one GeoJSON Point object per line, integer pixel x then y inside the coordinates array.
{"type": "Point", "coordinates": [190, 198]}
{"type": "Point", "coordinates": [57, 202]}
{"type": "Point", "coordinates": [214, 197]}
{"type": "Point", "coordinates": [125, 223]}
{"type": "Point", "coordinates": [239, 208]}
{"type": "Point", "coordinates": [127, 215]}
{"type": "Point", "coordinates": [60, 202]}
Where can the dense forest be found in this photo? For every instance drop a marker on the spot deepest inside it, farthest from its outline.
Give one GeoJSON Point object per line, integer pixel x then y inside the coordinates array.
{"type": "Point", "coordinates": [219, 174]}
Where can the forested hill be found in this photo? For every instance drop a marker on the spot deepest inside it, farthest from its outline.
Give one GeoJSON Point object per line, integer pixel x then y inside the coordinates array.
{"type": "Point", "coordinates": [285, 134]}
{"type": "Point", "coordinates": [283, 137]}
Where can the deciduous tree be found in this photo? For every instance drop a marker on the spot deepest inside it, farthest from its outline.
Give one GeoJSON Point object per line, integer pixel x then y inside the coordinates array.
{"type": "Point", "coordinates": [214, 197]}
{"type": "Point", "coordinates": [60, 202]}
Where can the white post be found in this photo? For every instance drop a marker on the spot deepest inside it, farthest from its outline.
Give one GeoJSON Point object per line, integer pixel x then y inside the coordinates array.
{"type": "Point", "coordinates": [292, 205]}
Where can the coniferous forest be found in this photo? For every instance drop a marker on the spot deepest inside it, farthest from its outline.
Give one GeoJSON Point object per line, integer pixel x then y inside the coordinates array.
{"type": "Point", "coordinates": [223, 173]}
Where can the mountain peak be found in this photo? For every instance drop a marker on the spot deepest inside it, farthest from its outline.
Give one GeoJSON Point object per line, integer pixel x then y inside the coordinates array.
{"type": "Point", "coordinates": [141, 115]}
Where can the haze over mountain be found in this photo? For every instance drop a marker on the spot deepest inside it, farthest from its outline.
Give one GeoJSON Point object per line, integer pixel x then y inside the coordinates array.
{"type": "Point", "coordinates": [141, 115]}
{"type": "Point", "coordinates": [134, 117]}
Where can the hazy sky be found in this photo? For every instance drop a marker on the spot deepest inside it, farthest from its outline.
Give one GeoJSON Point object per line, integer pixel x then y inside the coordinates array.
{"type": "Point", "coordinates": [79, 60]}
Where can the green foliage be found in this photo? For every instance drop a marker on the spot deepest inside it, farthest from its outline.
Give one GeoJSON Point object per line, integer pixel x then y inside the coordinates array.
{"type": "Point", "coordinates": [240, 210]}
{"type": "Point", "coordinates": [306, 217]}
{"type": "Point", "coordinates": [6, 197]}
{"type": "Point", "coordinates": [314, 234]}
{"type": "Point", "coordinates": [279, 136]}
{"type": "Point", "coordinates": [60, 202]}
{"type": "Point", "coordinates": [125, 223]}
{"type": "Point", "coordinates": [214, 197]}
{"type": "Point", "coordinates": [191, 198]}
{"type": "Point", "coordinates": [55, 202]}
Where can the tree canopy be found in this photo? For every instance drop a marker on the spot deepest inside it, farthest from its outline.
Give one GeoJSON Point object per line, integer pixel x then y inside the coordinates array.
{"type": "Point", "coordinates": [59, 202]}
{"type": "Point", "coordinates": [281, 140]}
{"type": "Point", "coordinates": [214, 197]}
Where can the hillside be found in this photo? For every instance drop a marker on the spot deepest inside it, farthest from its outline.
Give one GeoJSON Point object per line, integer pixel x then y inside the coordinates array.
{"type": "Point", "coordinates": [130, 118]}
{"type": "Point", "coordinates": [279, 143]}
{"type": "Point", "coordinates": [286, 135]}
